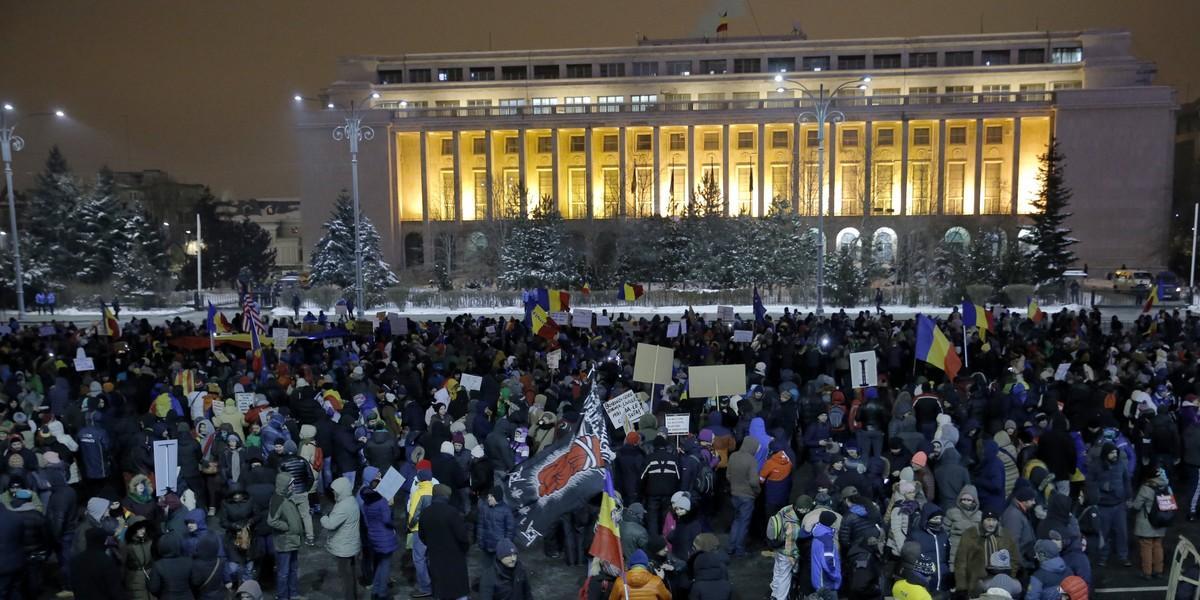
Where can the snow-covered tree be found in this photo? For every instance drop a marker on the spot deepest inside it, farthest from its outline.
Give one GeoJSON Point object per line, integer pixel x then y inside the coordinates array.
{"type": "Point", "coordinates": [538, 251]}
{"type": "Point", "coordinates": [139, 257]}
{"type": "Point", "coordinates": [675, 251]}
{"type": "Point", "coordinates": [53, 221]}
{"type": "Point", "coordinates": [333, 261]}
{"type": "Point", "coordinates": [1050, 235]}
{"type": "Point", "coordinates": [254, 255]}
{"type": "Point", "coordinates": [101, 218]}
{"type": "Point", "coordinates": [790, 249]}
{"type": "Point", "coordinates": [845, 277]}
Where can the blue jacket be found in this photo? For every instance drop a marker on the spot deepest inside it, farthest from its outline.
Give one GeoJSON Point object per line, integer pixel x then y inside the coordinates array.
{"type": "Point", "coordinates": [494, 523]}
{"type": "Point", "coordinates": [1108, 483]}
{"type": "Point", "coordinates": [377, 516]}
{"type": "Point", "coordinates": [825, 562]}
{"type": "Point", "coordinates": [1043, 585]}
{"type": "Point", "coordinates": [990, 478]}
{"type": "Point", "coordinates": [935, 547]}
{"type": "Point", "coordinates": [94, 447]}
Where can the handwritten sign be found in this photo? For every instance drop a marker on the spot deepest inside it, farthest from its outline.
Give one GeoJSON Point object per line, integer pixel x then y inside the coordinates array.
{"type": "Point", "coordinates": [471, 382]}
{"type": "Point", "coordinates": [673, 330]}
{"type": "Point", "coordinates": [553, 358]}
{"type": "Point", "coordinates": [332, 342]}
{"type": "Point", "coordinates": [603, 321]}
{"type": "Point", "coordinates": [678, 424]}
{"type": "Point", "coordinates": [46, 330]}
{"type": "Point", "coordinates": [625, 407]}
{"type": "Point", "coordinates": [490, 330]}
{"type": "Point", "coordinates": [562, 318]}
{"type": "Point", "coordinates": [743, 336]}
{"type": "Point", "coordinates": [244, 400]}
{"type": "Point", "coordinates": [279, 335]}
{"type": "Point", "coordinates": [864, 369]}
{"type": "Point", "coordinates": [582, 317]}
{"type": "Point", "coordinates": [84, 364]}
{"type": "Point", "coordinates": [725, 313]}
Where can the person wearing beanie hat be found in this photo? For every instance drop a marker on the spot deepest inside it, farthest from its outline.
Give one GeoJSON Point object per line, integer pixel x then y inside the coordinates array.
{"type": "Point", "coordinates": [660, 478]}
{"type": "Point", "coordinates": [1149, 534]}
{"type": "Point", "coordinates": [629, 464]}
{"type": "Point", "coordinates": [935, 546]}
{"type": "Point", "coordinates": [494, 522]}
{"type": "Point", "coordinates": [999, 570]}
{"type": "Point", "coordinates": [682, 526]}
{"type": "Point", "coordinates": [443, 532]}
{"type": "Point", "coordinates": [1017, 522]}
{"type": "Point", "coordinates": [504, 578]}
{"type": "Point", "coordinates": [776, 477]}
{"type": "Point", "coordinates": [640, 579]}
{"type": "Point", "coordinates": [978, 545]}
{"type": "Point", "coordinates": [784, 530]}
{"type": "Point", "coordinates": [420, 497]}
{"type": "Point", "coordinates": [1050, 572]}
{"type": "Point", "coordinates": [824, 561]}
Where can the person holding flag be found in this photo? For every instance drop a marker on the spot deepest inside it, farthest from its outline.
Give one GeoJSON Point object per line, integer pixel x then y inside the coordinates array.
{"type": "Point", "coordinates": [760, 311]}
{"type": "Point", "coordinates": [935, 349]}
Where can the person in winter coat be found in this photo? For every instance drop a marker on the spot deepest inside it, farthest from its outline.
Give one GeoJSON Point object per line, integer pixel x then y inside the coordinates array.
{"type": "Point", "coordinates": [1043, 584]}
{"type": "Point", "coordinates": [209, 574]}
{"type": "Point", "coordinates": [445, 536]}
{"type": "Point", "coordinates": [1149, 535]}
{"type": "Point", "coordinates": [660, 480]}
{"type": "Point", "coordinates": [171, 576]}
{"type": "Point", "coordinates": [1061, 523]}
{"type": "Point", "coordinates": [950, 476]}
{"type": "Point", "coordinates": [62, 513]}
{"type": "Point", "coordinates": [1108, 487]}
{"type": "Point", "coordinates": [975, 550]}
{"type": "Point", "coordinates": [683, 526]}
{"type": "Point", "coordinates": [381, 535]}
{"type": "Point", "coordinates": [239, 518]}
{"type": "Point", "coordinates": [904, 517]}
{"type": "Point", "coordinates": [95, 451]}
{"type": "Point", "coordinates": [627, 474]}
{"type": "Point", "coordinates": [1017, 522]}
{"type": "Point", "coordinates": [633, 529]}
{"type": "Point", "coordinates": [744, 486]}
{"type": "Point", "coordinates": [507, 578]}
{"type": "Point", "coordinates": [961, 517]}
{"type": "Point", "coordinates": [137, 557]}
{"type": "Point", "coordinates": [343, 538]}
{"type": "Point", "coordinates": [287, 532]}
{"type": "Point", "coordinates": [1007, 453]}
{"type": "Point", "coordinates": [825, 561]}
{"type": "Point", "coordinates": [494, 522]}
{"type": "Point", "coordinates": [381, 450]}
{"type": "Point", "coordinates": [935, 546]}
{"type": "Point", "coordinates": [139, 498]}
{"type": "Point", "coordinates": [94, 574]}
{"type": "Point", "coordinates": [999, 571]}
{"type": "Point", "coordinates": [497, 449]}
{"type": "Point", "coordinates": [36, 544]}
{"type": "Point", "coordinates": [776, 478]}
{"type": "Point", "coordinates": [990, 479]}
{"type": "Point", "coordinates": [710, 576]}
{"type": "Point", "coordinates": [640, 580]}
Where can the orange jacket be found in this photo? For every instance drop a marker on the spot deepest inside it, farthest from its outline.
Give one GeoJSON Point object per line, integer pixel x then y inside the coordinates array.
{"type": "Point", "coordinates": [776, 468]}
{"type": "Point", "coordinates": [643, 585]}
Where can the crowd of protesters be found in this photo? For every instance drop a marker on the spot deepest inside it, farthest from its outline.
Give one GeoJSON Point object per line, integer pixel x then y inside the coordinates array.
{"type": "Point", "coordinates": [1069, 445]}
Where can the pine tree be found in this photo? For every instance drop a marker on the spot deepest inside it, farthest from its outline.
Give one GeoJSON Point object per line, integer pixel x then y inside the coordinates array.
{"type": "Point", "coordinates": [100, 235]}
{"type": "Point", "coordinates": [53, 223]}
{"type": "Point", "coordinates": [675, 251]}
{"type": "Point", "coordinates": [139, 258]}
{"type": "Point", "coordinates": [333, 261]}
{"type": "Point", "coordinates": [254, 256]}
{"type": "Point", "coordinates": [1050, 235]}
{"type": "Point", "coordinates": [539, 252]}
{"type": "Point", "coordinates": [845, 276]}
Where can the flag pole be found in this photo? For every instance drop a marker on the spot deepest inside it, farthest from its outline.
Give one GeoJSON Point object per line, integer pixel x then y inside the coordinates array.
{"type": "Point", "coordinates": [966, 351]}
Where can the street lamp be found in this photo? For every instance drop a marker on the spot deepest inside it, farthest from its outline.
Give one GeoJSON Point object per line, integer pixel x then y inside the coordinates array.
{"type": "Point", "coordinates": [821, 114]}
{"type": "Point", "coordinates": [352, 131]}
{"type": "Point", "coordinates": [9, 142]}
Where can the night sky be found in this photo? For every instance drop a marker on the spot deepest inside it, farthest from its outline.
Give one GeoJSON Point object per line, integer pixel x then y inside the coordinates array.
{"type": "Point", "coordinates": [202, 89]}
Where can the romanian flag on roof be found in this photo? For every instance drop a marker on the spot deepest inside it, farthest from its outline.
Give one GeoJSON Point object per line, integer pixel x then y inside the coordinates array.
{"type": "Point", "coordinates": [606, 541]}
{"type": "Point", "coordinates": [935, 349]}
{"type": "Point", "coordinates": [587, 288]}
{"type": "Point", "coordinates": [1034, 313]}
{"type": "Point", "coordinates": [1152, 301]}
{"type": "Point", "coordinates": [631, 291]}
{"type": "Point", "coordinates": [723, 24]}
{"type": "Point", "coordinates": [978, 317]}
{"type": "Point", "coordinates": [542, 324]}
{"type": "Point", "coordinates": [553, 300]}
{"type": "Point", "coordinates": [108, 322]}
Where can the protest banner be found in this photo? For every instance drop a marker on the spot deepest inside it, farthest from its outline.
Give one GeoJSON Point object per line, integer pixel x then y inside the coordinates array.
{"type": "Point", "coordinates": [471, 382]}
{"type": "Point", "coordinates": [743, 336]}
{"type": "Point", "coordinates": [279, 335]}
{"type": "Point", "coordinates": [652, 364]}
{"type": "Point", "coordinates": [562, 318]}
{"type": "Point", "coordinates": [678, 424]}
{"type": "Point", "coordinates": [244, 400]}
{"type": "Point", "coordinates": [673, 330]}
{"type": "Point", "coordinates": [624, 408]}
{"type": "Point", "coordinates": [716, 380]}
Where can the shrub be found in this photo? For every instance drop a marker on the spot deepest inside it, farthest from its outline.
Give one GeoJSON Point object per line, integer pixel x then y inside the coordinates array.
{"type": "Point", "coordinates": [325, 295]}
{"type": "Point", "coordinates": [397, 295]}
{"type": "Point", "coordinates": [1017, 294]}
{"type": "Point", "coordinates": [979, 293]}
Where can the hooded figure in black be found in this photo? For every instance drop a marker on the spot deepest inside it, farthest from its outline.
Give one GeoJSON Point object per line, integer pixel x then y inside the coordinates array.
{"type": "Point", "coordinates": [208, 570]}
{"type": "Point", "coordinates": [171, 576]}
{"type": "Point", "coordinates": [94, 574]}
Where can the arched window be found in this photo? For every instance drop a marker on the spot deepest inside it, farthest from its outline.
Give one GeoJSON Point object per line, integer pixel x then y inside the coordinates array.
{"type": "Point", "coordinates": [884, 245]}
{"type": "Point", "coordinates": [847, 237]}
{"type": "Point", "coordinates": [958, 235]}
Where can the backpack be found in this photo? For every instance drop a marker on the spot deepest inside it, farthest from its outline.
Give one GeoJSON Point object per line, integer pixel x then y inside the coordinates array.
{"type": "Point", "coordinates": [705, 480]}
{"type": "Point", "coordinates": [1163, 510]}
{"type": "Point", "coordinates": [837, 417]}
{"type": "Point", "coordinates": [776, 529]}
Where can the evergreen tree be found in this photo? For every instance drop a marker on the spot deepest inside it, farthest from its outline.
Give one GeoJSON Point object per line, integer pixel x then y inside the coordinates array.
{"type": "Point", "coordinates": [100, 229]}
{"type": "Point", "coordinates": [53, 223]}
{"type": "Point", "coordinates": [254, 256]}
{"type": "Point", "coordinates": [333, 261]}
{"type": "Point", "coordinates": [538, 252]}
{"type": "Point", "coordinates": [139, 258]}
{"type": "Point", "coordinates": [789, 251]}
{"type": "Point", "coordinates": [675, 251]}
{"type": "Point", "coordinates": [1050, 235]}
{"type": "Point", "coordinates": [844, 275]}
{"type": "Point", "coordinates": [951, 271]}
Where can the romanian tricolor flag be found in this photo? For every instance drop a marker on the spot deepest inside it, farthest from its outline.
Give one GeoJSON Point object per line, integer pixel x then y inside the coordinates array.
{"type": "Point", "coordinates": [1034, 313]}
{"type": "Point", "coordinates": [587, 288]}
{"type": "Point", "coordinates": [631, 291]}
{"type": "Point", "coordinates": [542, 324]}
{"type": "Point", "coordinates": [553, 301]}
{"type": "Point", "coordinates": [108, 322]}
{"type": "Point", "coordinates": [606, 541]}
{"type": "Point", "coordinates": [976, 316]}
{"type": "Point", "coordinates": [723, 25]}
{"type": "Point", "coordinates": [935, 349]}
{"type": "Point", "coordinates": [1152, 301]}
{"type": "Point", "coordinates": [186, 379]}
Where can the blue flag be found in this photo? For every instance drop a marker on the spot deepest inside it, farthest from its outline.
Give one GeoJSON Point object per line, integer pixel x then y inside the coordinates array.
{"type": "Point", "coordinates": [212, 319]}
{"type": "Point", "coordinates": [760, 311]}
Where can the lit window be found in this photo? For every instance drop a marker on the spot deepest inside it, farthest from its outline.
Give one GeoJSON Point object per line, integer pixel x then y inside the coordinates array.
{"type": "Point", "coordinates": [922, 199]}
{"type": "Point", "coordinates": [745, 140]}
{"type": "Point", "coordinates": [609, 103]}
{"type": "Point", "coordinates": [509, 106]}
{"type": "Point", "coordinates": [644, 142]}
{"type": "Point", "coordinates": [958, 135]}
{"type": "Point", "coordinates": [447, 146]}
{"type": "Point", "coordinates": [544, 106]}
{"type": "Point", "coordinates": [577, 183]}
{"type": "Point", "coordinates": [996, 93]}
{"type": "Point", "coordinates": [512, 144]}
{"type": "Point", "coordinates": [886, 136]}
{"type": "Point", "coordinates": [610, 143]}
{"type": "Point", "coordinates": [882, 192]}
{"type": "Point", "coordinates": [642, 103]}
{"type": "Point", "coordinates": [992, 203]}
{"type": "Point", "coordinates": [450, 74]}
{"type": "Point", "coordinates": [612, 191]}
{"type": "Point", "coordinates": [993, 134]}
{"type": "Point", "coordinates": [1060, 56]}
{"type": "Point", "coordinates": [544, 144]}
{"type": "Point", "coordinates": [921, 136]}
{"type": "Point", "coordinates": [576, 104]}
{"type": "Point", "coordinates": [960, 94]}
{"type": "Point", "coordinates": [677, 142]}
{"type": "Point", "coordinates": [577, 143]}
{"type": "Point", "coordinates": [712, 141]}
{"type": "Point", "coordinates": [779, 138]}
{"type": "Point", "coordinates": [1067, 85]}
{"type": "Point", "coordinates": [812, 138]}
{"type": "Point", "coordinates": [849, 138]}
{"type": "Point", "coordinates": [1033, 92]}
{"type": "Point", "coordinates": [479, 145]}
{"type": "Point", "coordinates": [851, 190]}
{"type": "Point", "coordinates": [956, 177]}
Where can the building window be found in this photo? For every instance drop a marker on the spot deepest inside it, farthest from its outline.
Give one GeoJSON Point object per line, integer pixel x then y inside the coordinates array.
{"type": "Point", "coordinates": [996, 93]}
{"type": "Point", "coordinates": [960, 94]}
{"type": "Point", "coordinates": [992, 204]}
{"type": "Point", "coordinates": [849, 138]}
{"type": "Point", "coordinates": [956, 181]}
{"type": "Point", "coordinates": [885, 136]}
{"type": "Point", "coordinates": [545, 71]}
{"type": "Point", "coordinates": [993, 134]}
{"type": "Point", "coordinates": [609, 103]}
{"type": "Point", "coordinates": [809, 201]}
{"type": "Point", "coordinates": [479, 178]}
{"type": "Point", "coordinates": [479, 145]}
{"type": "Point", "coordinates": [922, 94]}
{"type": "Point", "coordinates": [677, 190]}
{"type": "Point", "coordinates": [419, 76]}
{"type": "Point", "coordinates": [781, 64]}
{"type": "Point", "coordinates": [677, 143]}
{"type": "Point", "coordinates": [921, 136]}
{"type": "Point", "coordinates": [451, 74]}
{"type": "Point", "coordinates": [389, 76]}
{"type": "Point", "coordinates": [445, 211]}
{"type": "Point", "coordinates": [779, 139]}
{"type": "Point", "coordinates": [1031, 56]}
{"type": "Point", "coordinates": [852, 203]}
{"type": "Point", "coordinates": [1033, 92]}
{"type": "Point", "coordinates": [479, 107]}
{"type": "Point", "coordinates": [579, 71]}
{"type": "Point", "coordinates": [678, 101]}
{"type": "Point", "coordinates": [781, 185]}
{"type": "Point", "coordinates": [922, 199]}
{"type": "Point", "coordinates": [508, 199]}
{"type": "Point", "coordinates": [510, 106]}
{"type": "Point", "coordinates": [447, 146]}
{"type": "Point", "coordinates": [992, 58]}
{"type": "Point", "coordinates": [964, 58]}
{"type": "Point", "coordinates": [645, 69]}
{"type": "Point", "coordinates": [576, 104]}
{"type": "Point", "coordinates": [886, 96]}
{"type": "Point", "coordinates": [745, 140]}
{"type": "Point", "coordinates": [745, 99]}
{"type": "Point", "coordinates": [679, 67]}
{"type": "Point", "coordinates": [712, 141]}
{"type": "Point", "coordinates": [1066, 55]}
{"type": "Point", "coordinates": [852, 63]}
{"type": "Point", "coordinates": [711, 100]}
{"type": "Point", "coordinates": [576, 143]}
{"type": "Point", "coordinates": [642, 191]}
{"type": "Point", "coordinates": [611, 69]}
{"type": "Point", "coordinates": [544, 106]}
{"type": "Point", "coordinates": [611, 177]}
{"type": "Point", "coordinates": [544, 144]}
{"type": "Point", "coordinates": [513, 73]}
{"type": "Point", "coordinates": [644, 142]}
{"type": "Point", "coordinates": [881, 196]}
{"type": "Point", "coordinates": [642, 103]}
{"type": "Point", "coordinates": [958, 135]}
{"type": "Point", "coordinates": [922, 60]}
{"type": "Point", "coordinates": [577, 200]}
{"type": "Point", "coordinates": [483, 73]}
{"type": "Point", "coordinates": [715, 66]}
{"type": "Point", "coordinates": [609, 143]}
{"type": "Point", "coordinates": [545, 192]}
{"type": "Point", "coordinates": [812, 138]}
{"type": "Point", "coordinates": [512, 144]}
{"type": "Point", "coordinates": [747, 65]}
{"type": "Point", "coordinates": [745, 191]}
{"type": "Point", "coordinates": [1067, 85]}
{"type": "Point", "coordinates": [887, 61]}
{"type": "Point", "coordinates": [815, 63]}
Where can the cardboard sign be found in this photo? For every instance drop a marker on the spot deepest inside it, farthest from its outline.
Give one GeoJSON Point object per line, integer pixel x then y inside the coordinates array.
{"type": "Point", "coordinates": [562, 318]}
{"type": "Point", "coordinates": [390, 484]}
{"type": "Point", "coordinates": [245, 400]}
{"type": "Point", "coordinates": [625, 407]}
{"type": "Point", "coordinates": [362, 327]}
{"type": "Point", "coordinates": [716, 380]}
{"type": "Point", "coordinates": [652, 364]}
{"type": "Point", "coordinates": [279, 335]}
{"type": "Point", "coordinates": [582, 317]}
{"type": "Point", "coordinates": [166, 466]}
{"type": "Point", "coordinates": [490, 330]}
{"type": "Point", "coordinates": [864, 369]}
{"type": "Point", "coordinates": [603, 321]}
{"type": "Point", "coordinates": [725, 313]}
{"type": "Point", "coordinates": [332, 342]}
{"type": "Point", "coordinates": [553, 358]}
{"type": "Point", "coordinates": [1060, 374]}
{"type": "Point", "coordinates": [678, 424]}
{"type": "Point", "coordinates": [743, 336]}
{"type": "Point", "coordinates": [673, 330]}
{"type": "Point", "coordinates": [46, 330]}
{"type": "Point", "coordinates": [398, 324]}
{"type": "Point", "coordinates": [82, 362]}
{"type": "Point", "coordinates": [471, 382]}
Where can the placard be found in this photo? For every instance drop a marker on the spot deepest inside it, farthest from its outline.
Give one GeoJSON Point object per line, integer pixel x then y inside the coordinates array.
{"type": "Point", "coordinates": [490, 330]}
{"type": "Point", "coordinates": [864, 369]}
{"type": "Point", "coordinates": [362, 327]}
{"type": "Point", "coordinates": [603, 321]}
{"type": "Point", "coordinates": [582, 316]}
{"type": "Point", "coordinates": [1060, 374]}
{"type": "Point", "coordinates": [244, 400]}
{"type": "Point", "coordinates": [46, 330]}
{"type": "Point", "coordinates": [562, 318]}
{"type": "Point", "coordinates": [398, 324]}
{"type": "Point", "coordinates": [743, 336]}
{"type": "Point", "coordinates": [552, 358]}
{"type": "Point", "coordinates": [84, 364]}
{"type": "Point", "coordinates": [471, 382]}
{"type": "Point", "coordinates": [725, 313]}
{"type": "Point", "coordinates": [716, 380]}
{"type": "Point", "coordinates": [442, 396]}
{"type": "Point", "coordinates": [652, 364]}
{"type": "Point", "coordinates": [166, 466]}
{"type": "Point", "coordinates": [332, 342]}
{"type": "Point", "coordinates": [339, 308]}
{"type": "Point", "coordinates": [678, 424]}
{"type": "Point", "coordinates": [625, 407]}
{"type": "Point", "coordinates": [673, 330]}
{"type": "Point", "coordinates": [5, 330]}
{"type": "Point", "coordinates": [279, 335]}
{"type": "Point", "coordinates": [390, 484]}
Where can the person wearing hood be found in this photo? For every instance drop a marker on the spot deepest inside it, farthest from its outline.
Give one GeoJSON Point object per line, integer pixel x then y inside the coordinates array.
{"type": "Point", "coordinates": [825, 562]}
{"type": "Point", "coordinates": [171, 575]}
{"type": "Point", "coordinates": [708, 569]}
{"type": "Point", "coordinates": [381, 449]}
{"type": "Point", "coordinates": [913, 582]}
{"type": "Point", "coordinates": [343, 537]}
{"type": "Point", "coordinates": [1108, 486]}
{"type": "Point", "coordinates": [962, 517]}
{"type": "Point", "coordinates": [641, 581]}
{"type": "Point", "coordinates": [195, 531]}
{"type": "Point", "coordinates": [139, 499]}
{"type": "Point", "coordinates": [1060, 523]}
{"type": "Point", "coordinates": [191, 460]}
{"type": "Point", "coordinates": [36, 544]}
{"type": "Point", "coordinates": [239, 518]}
{"type": "Point", "coordinates": [231, 416]}
{"type": "Point", "coordinates": [62, 511]}
{"type": "Point", "coordinates": [507, 578]}
{"type": "Point", "coordinates": [380, 530]}
{"type": "Point", "coordinates": [630, 462]}
{"type": "Point", "coordinates": [1149, 534]}
{"type": "Point", "coordinates": [935, 546]}
{"type": "Point", "coordinates": [744, 486]}
{"type": "Point", "coordinates": [634, 535]}
{"type": "Point", "coordinates": [776, 477]}
{"type": "Point", "coordinates": [446, 469]}
{"type": "Point", "coordinates": [287, 531]}
{"type": "Point", "coordinates": [544, 432]}
{"type": "Point", "coordinates": [209, 575]}
{"type": "Point", "coordinates": [95, 452]}
{"type": "Point", "coordinates": [1008, 458]}
{"type": "Point", "coordinates": [990, 478]}
{"type": "Point", "coordinates": [443, 531]}
{"type": "Point", "coordinates": [950, 477]}
{"type": "Point", "coordinates": [1051, 571]}
{"type": "Point", "coordinates": [94, 574]}
{"type": "Point", "coordinates": [976, 548]}
{"type": "Point", "coordinates": [232, 463]}
{"type": "Point", "coordinates": [660, 480]}
{"type": "Point", "coordinates": [137, 557]}
{"type": "Point", "coordinates": [494, 522]}
{"type": "Point", "coordinates": [497, 448]}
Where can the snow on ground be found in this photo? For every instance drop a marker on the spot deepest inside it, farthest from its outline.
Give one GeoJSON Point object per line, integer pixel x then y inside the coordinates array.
{"type": "Point", "coordinates": [153, 312]}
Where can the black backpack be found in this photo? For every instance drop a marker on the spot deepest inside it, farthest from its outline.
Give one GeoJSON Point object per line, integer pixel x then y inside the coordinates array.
{"type": "Point", "coordinates": [1163, 509]}
{"type": "Point", "coordinates": [705, 480]}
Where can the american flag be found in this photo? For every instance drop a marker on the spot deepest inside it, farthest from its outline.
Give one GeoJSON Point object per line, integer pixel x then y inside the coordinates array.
{"type": "Point", "coordinates": [251, 319]}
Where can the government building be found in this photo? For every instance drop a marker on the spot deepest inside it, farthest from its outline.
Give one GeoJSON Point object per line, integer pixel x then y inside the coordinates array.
{"type": "Point", "coordinates": [937, 136]}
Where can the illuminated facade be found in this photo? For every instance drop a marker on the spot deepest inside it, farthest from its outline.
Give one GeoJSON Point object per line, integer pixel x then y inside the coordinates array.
{"type": "Point", "coordinates": [946, 136]}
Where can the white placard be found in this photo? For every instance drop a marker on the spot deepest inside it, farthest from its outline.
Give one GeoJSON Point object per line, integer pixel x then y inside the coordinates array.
{"type": "Point", "coordinates": [471, 382]}
{"type": "Point", "coordinates": [490, 330]}
{"type": "Point", "coordinates": [1060, 374]}
{"type": "Point", "coordinates": [625, 407]}
{"type": "Point", "coordinates": [339, 308]}
{"type": "Point", "coordinates": [673, 330]}
{"type": "Point", "coordinates": [683, 326]}
{"type": "Point", "coordinates": [390, 484]}
{"type": "Point", "coordinates": [553, 358]}
{"type": "Point", "coordinates": [244, 400]}
{"type": "Point", "coordinates": [864, 369]}
{"type": "Point", "coordinates": [678, 424]}
{"type": "Point", "coordinates": [332, 342]}
{"type": "Point", "coordinates": [166, 466]}
{"type": "Point", "coordinates": [398, 324]}
{"type": "Point", "coordinates": [280, 337]}
{"type": "Point", "coordinates": [46, 330]}
{"type": "Point", "coordinates": [442, 396]}
{"type": "Point", "coordinates": [743, 336]}
{"type": "Point", "coordinates": [725, 313]}
{"type": "Point", "coordinates": [84, 364]}
{"type": "Point", "coordinates": [562, 318]}
{"type": "Point", "coordinates": [582, 316]}
{"type": "Point", "coordinates": [603, 321]}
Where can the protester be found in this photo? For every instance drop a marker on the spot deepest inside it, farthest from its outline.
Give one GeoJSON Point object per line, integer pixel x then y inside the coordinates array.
{"type": "Point", "coordinates": [444, 534]}
{"type": "Point", "coordinates": [343, 542]}
{"type": "Point", "coordinates": [507, 579]}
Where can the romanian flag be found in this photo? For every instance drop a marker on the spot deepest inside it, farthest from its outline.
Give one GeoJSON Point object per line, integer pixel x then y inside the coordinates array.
{"type": "Point", "coordinates": [542, 324]}
{"type": "Point", "coordinates": [631, 291]}
{"type": "Point", "coordinates": [587, 288]}
{"type": "Point", "coordinates": [723, 25]}
{"type": "Point", "coordinates": [1034, 313]}
{"type": "Point", "coordinates": [553, 300]}
{"type": "Point", "coordinates": [108, 322]}
{"type": "Point", "coordinates": [186, 379]}
{"type": "Point", "coordinates": [223, 324]}
{"type": "Point", "coordinates": [606, 541]}
{"type": "Point", "coordinates": [935, 349]}
{"type": "Point", "coordinates": [1152, 301]}
{"type": "Point", "coordinates": [976, 316]}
